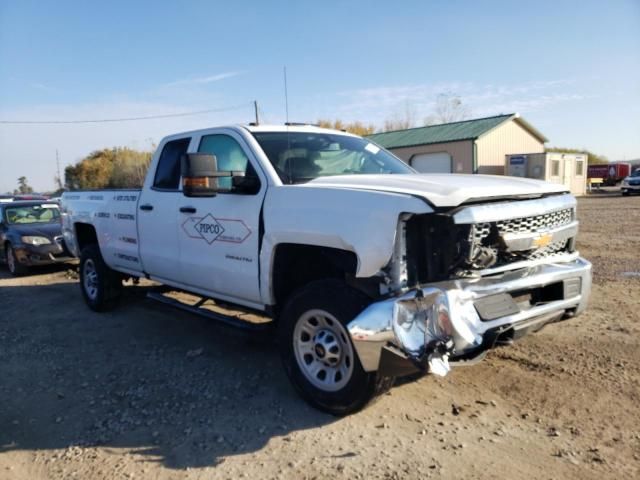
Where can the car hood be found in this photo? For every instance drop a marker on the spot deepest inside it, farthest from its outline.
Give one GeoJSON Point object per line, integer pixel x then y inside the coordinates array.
{"type": "Point", "coordinates": [49, 230]}
{"type": "Point", "coordinates": [443, 190]}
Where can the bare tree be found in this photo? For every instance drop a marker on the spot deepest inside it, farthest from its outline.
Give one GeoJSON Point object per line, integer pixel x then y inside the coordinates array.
{"type": "Point", "coordinates": [401, 120]}
{"type": "Point", "coordinates": [448, 108]}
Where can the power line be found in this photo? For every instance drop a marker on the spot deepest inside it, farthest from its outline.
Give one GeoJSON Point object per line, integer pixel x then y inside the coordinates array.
{"type": "Point", "coordinates": [126, 119]}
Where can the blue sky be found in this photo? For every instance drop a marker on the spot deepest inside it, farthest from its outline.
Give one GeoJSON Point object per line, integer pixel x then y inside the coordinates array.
{"type": "Point", "coordinates": [571, 68]}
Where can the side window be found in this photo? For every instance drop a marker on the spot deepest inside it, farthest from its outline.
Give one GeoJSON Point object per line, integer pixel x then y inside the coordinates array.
{"type": "Point", "coordinates": [168, 170]}
{"type": "Point", "coordinates": [579, 168]}
{"type": "Point", "coordinates": [555, 168]}
{"type": "Point", "coordinates": [229, 155]}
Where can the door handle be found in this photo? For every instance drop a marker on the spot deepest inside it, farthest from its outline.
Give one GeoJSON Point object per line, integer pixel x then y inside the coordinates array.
{"type": "Point", "coordinates": [146, 207]}
{"type": "Point", "coordinates": [188, 209]}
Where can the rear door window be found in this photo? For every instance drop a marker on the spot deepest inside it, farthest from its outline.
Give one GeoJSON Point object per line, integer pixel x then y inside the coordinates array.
{"type": "Point", "coordinates": [168, 171]}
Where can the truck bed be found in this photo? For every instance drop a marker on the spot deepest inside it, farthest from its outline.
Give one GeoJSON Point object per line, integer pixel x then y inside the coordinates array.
{"type": "Point", "coordinates": [113, 214]}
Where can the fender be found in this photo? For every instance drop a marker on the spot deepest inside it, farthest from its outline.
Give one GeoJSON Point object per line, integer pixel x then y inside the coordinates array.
{"type": "Point", "coordinates": [359, 221]}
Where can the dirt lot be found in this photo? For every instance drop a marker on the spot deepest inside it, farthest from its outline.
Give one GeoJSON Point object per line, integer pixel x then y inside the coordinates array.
{"type": "Point", "coordinates": [148, 392]}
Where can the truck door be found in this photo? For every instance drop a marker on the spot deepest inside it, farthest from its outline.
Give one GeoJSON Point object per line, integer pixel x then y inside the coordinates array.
{"type": "Point", "coordinates": [219, 236]}
{"type": "Point", "coordinates": [158, 214]}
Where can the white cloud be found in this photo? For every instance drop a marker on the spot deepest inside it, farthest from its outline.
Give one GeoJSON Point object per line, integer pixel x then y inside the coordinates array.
{"type": "Point", "coordinates": [375, 104]}
{"type": "Point", "coordinates": [201, 80]}
{"type": "Point", "coordinates": [43, 87]}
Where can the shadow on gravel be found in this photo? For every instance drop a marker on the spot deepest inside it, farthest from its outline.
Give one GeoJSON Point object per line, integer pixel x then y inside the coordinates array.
{"type": "Point", "coordinates": [175, 388]}
{"type": "Point", "coordinates": [41, 270]}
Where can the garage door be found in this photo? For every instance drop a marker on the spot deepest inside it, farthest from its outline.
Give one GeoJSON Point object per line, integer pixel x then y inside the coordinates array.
{"type": "Point", "coordinates": [432, 162]}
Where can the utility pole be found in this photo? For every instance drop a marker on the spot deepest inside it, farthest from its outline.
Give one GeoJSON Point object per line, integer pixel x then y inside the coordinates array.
{"type": "Point", "coordinates": [255, 107]}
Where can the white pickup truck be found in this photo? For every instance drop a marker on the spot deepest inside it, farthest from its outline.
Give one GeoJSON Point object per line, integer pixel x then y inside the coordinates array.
{"type": "Point", "coordinates": [365, 269]}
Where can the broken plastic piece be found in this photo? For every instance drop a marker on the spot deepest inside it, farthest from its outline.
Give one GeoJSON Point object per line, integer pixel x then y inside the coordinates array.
{"type": "Point", "coordinates": [439, 364]}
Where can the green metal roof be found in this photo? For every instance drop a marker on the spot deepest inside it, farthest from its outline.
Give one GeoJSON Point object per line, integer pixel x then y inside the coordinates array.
{"type": "Point", "coordinates": [447, 132]}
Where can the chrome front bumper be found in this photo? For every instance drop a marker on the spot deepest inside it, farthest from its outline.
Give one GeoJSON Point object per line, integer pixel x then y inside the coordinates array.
{"type": "Point", "coordinates": [457, 318]}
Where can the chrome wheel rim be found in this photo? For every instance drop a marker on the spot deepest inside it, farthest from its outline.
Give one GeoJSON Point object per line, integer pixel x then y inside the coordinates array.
{"type": "Point", "coordinates": [11, 260]}
{"type": "Point", "coordinates": [323, 350]}
{"type": "Point", "coordinates": [90, 279]}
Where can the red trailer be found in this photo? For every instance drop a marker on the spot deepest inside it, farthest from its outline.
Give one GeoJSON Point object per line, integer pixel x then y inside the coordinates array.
{"type": "Point", "coordinates": [610, 173]}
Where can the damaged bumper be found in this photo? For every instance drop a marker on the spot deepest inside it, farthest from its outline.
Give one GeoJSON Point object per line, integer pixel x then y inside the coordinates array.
{"type": "Point", "coordinates": [30, 255]}
{"type": "Point", "coordinates": [459, 320]}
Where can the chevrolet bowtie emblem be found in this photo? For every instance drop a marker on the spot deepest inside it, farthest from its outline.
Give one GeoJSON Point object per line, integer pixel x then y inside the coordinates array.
{"type": "Point", "coordinates": [542, 241]}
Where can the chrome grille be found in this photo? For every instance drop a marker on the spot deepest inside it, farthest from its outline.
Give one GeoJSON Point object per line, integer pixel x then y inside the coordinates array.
{"type": "Point", "coordinates": [551, 249]}
{"type": "Point", "coordinates": [524, 224]}
{"type": "Point", "coordinates": [537, 223]}
{"type": "Point", "coordinates": [485, 236]}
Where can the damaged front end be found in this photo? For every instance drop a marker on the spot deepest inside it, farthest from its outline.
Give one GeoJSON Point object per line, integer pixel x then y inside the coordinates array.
{"type": "Point", "coordinates": [443, 307]}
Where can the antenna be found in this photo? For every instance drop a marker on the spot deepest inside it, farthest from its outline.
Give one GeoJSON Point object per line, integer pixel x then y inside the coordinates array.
{"type": "Point", "coordinates": [255, 107]}
{"type": "Point", "coordinates": [286, 95]}
{"type": "Point", "coordinates": [286, 105]}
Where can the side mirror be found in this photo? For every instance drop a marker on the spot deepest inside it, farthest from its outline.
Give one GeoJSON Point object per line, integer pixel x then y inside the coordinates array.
{"type": "Point", "coordinates": [201, 177]}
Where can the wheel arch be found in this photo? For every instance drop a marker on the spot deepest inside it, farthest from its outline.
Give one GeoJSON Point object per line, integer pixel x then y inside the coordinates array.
{"type": "Point", "coordinates": [295, 265]}
{"type": "Point", "coordinates": [85, 234]}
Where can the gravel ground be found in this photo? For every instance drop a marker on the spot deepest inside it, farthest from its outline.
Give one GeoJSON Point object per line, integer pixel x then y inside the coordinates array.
{"type": "Point", "coordinates": [149, 392]}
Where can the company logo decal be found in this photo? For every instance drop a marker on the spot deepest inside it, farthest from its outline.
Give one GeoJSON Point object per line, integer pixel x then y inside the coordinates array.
{"type": "Point", "coordinates": [128, 258]}
{"type": "Point", "coordinates": [211, 229]}
{"type": "Point", "coordinates": [125, 198]}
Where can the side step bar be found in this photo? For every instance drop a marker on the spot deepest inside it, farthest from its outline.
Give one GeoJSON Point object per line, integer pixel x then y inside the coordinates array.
{"type": "Point", "coordinates": [198, 309]}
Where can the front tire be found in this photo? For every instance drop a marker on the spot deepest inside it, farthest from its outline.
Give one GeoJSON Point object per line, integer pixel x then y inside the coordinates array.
{"type": "Point", "coordinates": [317, 352]}
{"type": "Point", "coordinates": [101, 287]}
{"type": "Point", "coordinates": [15, 267]}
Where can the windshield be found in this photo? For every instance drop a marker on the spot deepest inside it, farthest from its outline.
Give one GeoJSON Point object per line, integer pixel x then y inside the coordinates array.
{"type": "Point", "coordinates": [44, 213]}
{"type": "Point", "coordinates": [636, 173]}
{"type": "Point", "coordinates": [299, 157]}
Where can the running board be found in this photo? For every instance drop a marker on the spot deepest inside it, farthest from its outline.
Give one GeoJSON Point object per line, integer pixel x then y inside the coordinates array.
{"type": "Point", "coordinates": [198, 309]}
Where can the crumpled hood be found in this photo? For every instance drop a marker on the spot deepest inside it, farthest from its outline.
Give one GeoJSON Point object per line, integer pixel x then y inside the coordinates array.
{"type": "Point", "coordinates": [443, 190]}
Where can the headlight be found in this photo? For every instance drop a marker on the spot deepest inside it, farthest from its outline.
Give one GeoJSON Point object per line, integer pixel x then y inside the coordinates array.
{"type": "Point", "coordinates": [625, 182]}
{"type": "Point", "coordinates": [36, 240]}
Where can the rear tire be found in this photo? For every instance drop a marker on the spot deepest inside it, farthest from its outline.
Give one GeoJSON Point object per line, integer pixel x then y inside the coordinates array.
{"type": "Point", "coordinates": [15, 268]}
{"type": "Point", "coordinates": [317, 352]}
{"type": "Point", "coordinates": [101, 287]}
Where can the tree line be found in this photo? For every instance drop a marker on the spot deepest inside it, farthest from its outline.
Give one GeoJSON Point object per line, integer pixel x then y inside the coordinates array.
{"type": "Point", "coordinates": [118, 167]}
